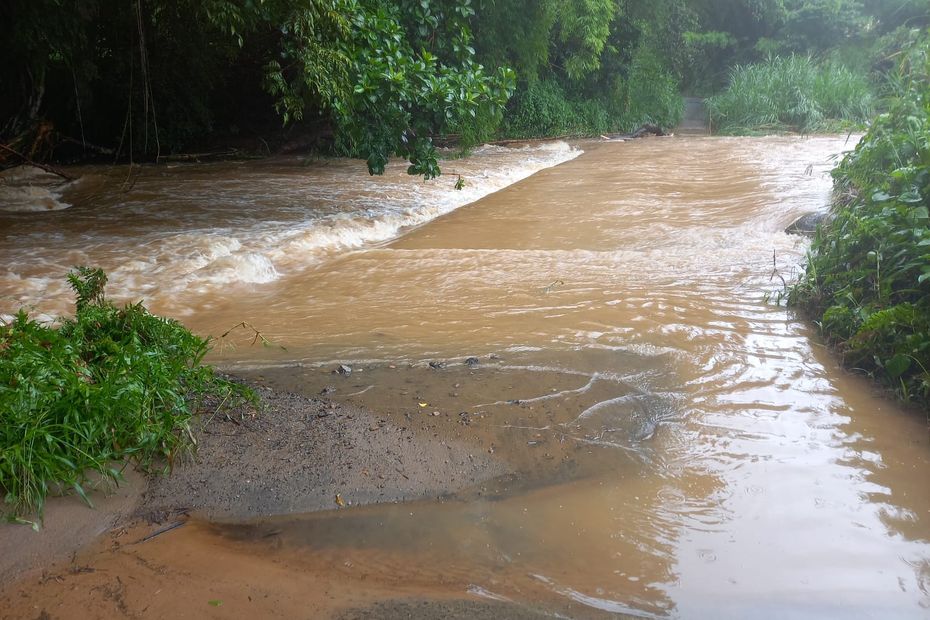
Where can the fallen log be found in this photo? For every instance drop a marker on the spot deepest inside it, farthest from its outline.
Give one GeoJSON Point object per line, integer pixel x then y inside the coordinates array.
{"type": "Point", "coordinates": [530, 140]}
{"type": "Point", "coordinates": [87, 146]}
{"type": "Point", "coordinates": [195, 157]}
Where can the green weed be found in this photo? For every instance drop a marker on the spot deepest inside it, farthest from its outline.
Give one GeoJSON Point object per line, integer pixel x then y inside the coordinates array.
{"type": "Point", "coordinates": [108, 386]}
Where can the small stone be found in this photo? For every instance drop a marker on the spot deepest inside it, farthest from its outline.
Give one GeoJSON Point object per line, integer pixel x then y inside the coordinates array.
{"type": "Point", "coordinates": [437, 365]}
{"type": "Point", "coordinates": [472, 362]}
{"type": "Point", "coordinates": [343, 370]}
{"type": "Point", "coordinates": [327, 390]}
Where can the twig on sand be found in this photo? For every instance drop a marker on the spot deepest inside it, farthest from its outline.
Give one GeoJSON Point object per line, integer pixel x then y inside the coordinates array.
{"type": "Point", "coordinates": [160, 531]}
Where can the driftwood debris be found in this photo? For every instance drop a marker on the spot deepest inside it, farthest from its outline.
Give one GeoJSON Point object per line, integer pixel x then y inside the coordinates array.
{"type": "Point", "coordinates": [529, 140]}
{"type": "Point", "coordinates": [646, 130]}
{"type": "Point", "coordinates": [30, 162]}
{"type": "Point", "coordinates": [196, 157]}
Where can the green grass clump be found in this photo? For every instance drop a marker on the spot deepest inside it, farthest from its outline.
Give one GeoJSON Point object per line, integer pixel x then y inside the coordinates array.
{"type": "Point", "coordinates": [544, 110]}
{"type": "Point", "coordinates": [109, 385]}
{"type": "Point", "coordinates": [791, 93]}
{"type": "Point", "coordinates": [867, 281]}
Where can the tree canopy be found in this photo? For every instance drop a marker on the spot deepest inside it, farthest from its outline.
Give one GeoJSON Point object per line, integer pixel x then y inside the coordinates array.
{"type": "Point", "coordinates": [374, 79]}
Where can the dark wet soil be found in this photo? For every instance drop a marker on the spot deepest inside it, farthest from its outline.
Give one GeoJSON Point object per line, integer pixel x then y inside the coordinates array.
{"type": "Point", "coordinates": [303, 454]}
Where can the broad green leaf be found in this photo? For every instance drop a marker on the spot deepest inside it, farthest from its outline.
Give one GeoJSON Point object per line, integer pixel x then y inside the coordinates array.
{"type": "Point", "coordinates": [897, 365]}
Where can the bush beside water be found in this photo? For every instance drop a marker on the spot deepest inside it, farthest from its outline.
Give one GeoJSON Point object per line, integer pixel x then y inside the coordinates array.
{"type": "Point", "coordinates": [867, 282]}
{"type": "Point", "coordinates": [648, 94]}
{"type": "Point", "coordinates": [791, 93]}
{"type": "Point", "coordinates": [110, 385]}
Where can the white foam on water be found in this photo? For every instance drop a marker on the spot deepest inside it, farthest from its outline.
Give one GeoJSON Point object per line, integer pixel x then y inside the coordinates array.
{"type": "Point", "coordinates": [265, 252]}
{"type": "Point", "coordinates": [25, 189]}
{"type": "Point", "coordinates": [30, 199]}
{"type": "Point", "coordinates": [414, 205]}
{"type": "Point", "coordinates": [181, 231]}
{"type": "Point", "coordinates": [250, 267]}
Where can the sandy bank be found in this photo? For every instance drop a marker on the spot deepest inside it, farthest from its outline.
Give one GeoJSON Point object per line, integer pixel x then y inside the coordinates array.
{"type": "Point", "coordinates": [298, 454]}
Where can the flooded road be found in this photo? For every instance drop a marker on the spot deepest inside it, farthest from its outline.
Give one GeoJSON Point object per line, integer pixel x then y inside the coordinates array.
{"type": "Point", "coordinates": [680, 444]}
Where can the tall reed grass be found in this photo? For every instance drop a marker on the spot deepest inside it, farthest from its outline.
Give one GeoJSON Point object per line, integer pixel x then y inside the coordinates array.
{"type": "Point", "coordinates": [791, 93]}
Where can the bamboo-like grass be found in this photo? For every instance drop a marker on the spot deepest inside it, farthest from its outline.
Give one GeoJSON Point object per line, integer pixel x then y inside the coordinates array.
{"type": "Point", "coordinates": [791, 94]}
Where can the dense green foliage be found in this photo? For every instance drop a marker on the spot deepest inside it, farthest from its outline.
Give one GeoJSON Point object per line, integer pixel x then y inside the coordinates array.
{"type": "Point", "coordinates": [868, 278]}
{"type": "Point", "coordinates": [154, 76]}
{"type": "Point", "coordinates": [742, 32]}
{"type": "Point", "coordinates": [586, 67]}
{"type": "Point", "coordinates": [110, 385]}
{"type": "Point", "coordinates": [791, 93]}
{"type": "Point", "coordinates": [386, 97]}
{"type": "Point", "coordinates": [368, 78]}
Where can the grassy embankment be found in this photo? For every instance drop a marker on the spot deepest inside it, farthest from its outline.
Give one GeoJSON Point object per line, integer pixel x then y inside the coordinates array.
{"type": "Point", "coordinates": [867, 282]}
{"type": "Point", "coordinates": [792, 94]}
{"type": "Point", "coordinates": [109, 386]}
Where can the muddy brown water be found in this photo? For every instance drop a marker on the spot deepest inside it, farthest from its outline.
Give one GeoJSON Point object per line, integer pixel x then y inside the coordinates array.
{"type": "Point", "coordinates": [681, 445]}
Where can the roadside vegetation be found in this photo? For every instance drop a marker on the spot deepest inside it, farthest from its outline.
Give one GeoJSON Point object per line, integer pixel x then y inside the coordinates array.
{"type": "Point", "coordinates": [105, 388]}
{"type": "Point", "coordinates": [867, 282]}
{"type": "Point", "coordinates": [792, 94]}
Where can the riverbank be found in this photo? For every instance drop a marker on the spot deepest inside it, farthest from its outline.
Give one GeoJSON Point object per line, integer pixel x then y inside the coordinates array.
{"type": "Point", "coordinates": [192, 533]}
{"type": "Point", "coordinates": [296, 455]}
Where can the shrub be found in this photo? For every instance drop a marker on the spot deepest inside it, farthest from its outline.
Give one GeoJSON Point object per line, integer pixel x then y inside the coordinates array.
{"type": "Point", "coordinates": [109, 385]}
{"type": "Point", "coordinates": [543, 110]}
{"type": "Point", "coordinates": [650, 94]}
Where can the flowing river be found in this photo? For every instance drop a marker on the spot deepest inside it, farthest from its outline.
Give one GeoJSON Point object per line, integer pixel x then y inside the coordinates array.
{"type": "Point", "coordinates": [683, 445]}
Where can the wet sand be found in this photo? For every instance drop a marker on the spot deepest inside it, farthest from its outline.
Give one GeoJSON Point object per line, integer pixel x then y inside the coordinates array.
{"type": "Point", "coordinates": [167, 546]}
{"type": "Point", "coordinates": [295, 454]}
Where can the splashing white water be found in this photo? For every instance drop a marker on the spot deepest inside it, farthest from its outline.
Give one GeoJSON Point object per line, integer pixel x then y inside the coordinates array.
{"type": "Point", "coordinates": [183, 230]}
{"type": "Point", "coordinates": [27, 190]}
